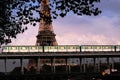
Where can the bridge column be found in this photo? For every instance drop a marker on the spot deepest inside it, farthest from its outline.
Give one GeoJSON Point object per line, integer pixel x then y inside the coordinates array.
{"type": "Point", "coordinates": [66, 64]}
{"type": "Point", "coordinates": [53, 65]}
{"type": "Point", "coordinates": [107, 60]}
{"type": "Point", "coordinates": [99, 62]}
{"type": "Point", "coordinates": [80, 60]}
{"type": "Point", "coordinates": [21, 65]}
{"type": "Point", "coordinates": [94, 59]}
{"type": "Point", "coordinates": [5, 60]}
{"type": "Point", "coordinates": [84, 65]}
{"type": "Point", "coordinates": [69, 66]}
{"type": "Point", "coordinates": [112, 63]}
{"type": "Point", "coordinates": [38, 65]}
{"type": "Point", "coordinates": [54, 69]}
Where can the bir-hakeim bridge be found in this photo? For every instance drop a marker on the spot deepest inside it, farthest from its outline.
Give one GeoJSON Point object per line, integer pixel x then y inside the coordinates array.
{"type": "Point", "coordinates": [91, 61]}
{"type": "Point", "coordinates": [50, 61]}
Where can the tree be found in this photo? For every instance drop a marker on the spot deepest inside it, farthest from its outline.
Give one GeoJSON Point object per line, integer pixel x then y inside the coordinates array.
{"type": "Point", "coordinates": [16, 13]}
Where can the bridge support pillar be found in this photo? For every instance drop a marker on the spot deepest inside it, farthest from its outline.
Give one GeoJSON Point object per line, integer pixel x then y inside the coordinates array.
{"type": "Point", "coordinates": [80, 60]}
{"type": "Point", "coordinates": [84, 65]}
{"type": "Point", "coordinates": [69, 66]}
{"type": "Point", "coordinates": [54, 68]}
{"type": "Point", "coordinates": [5, 60]}
{"type": "Point", "coordinates": [66, 64]}
{"type": "Point", "coordinates": [108, 61]}
{"type": "Point", "coordinates": [99, 62]}
{"type": "Point", "coordinates": [53, 65]}
{"type": "Point", "coordinates": [112, 63]}
{"type": "Point", "coordinates": [94, 59]}
{"type": "Point", "coordinates": [38, 65]}
{"type": "Point", "coordinates": [21, 65]}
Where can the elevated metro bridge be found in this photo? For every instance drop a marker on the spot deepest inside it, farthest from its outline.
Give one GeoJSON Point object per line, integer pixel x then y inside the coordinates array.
{"type": "Point", "coordinates": [95, 52]}
{"type": "Point", "coordinates": [61, 51]}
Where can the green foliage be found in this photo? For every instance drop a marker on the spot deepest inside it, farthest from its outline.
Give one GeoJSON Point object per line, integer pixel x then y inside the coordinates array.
{"type": "Point", "coordinates": [16, 13]}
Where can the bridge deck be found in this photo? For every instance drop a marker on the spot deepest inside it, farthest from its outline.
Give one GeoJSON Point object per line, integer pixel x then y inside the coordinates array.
{"type": "Point", "coordinates": [17, 55]}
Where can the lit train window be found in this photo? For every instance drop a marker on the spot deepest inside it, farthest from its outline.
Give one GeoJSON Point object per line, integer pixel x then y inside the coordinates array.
{"type": "Point", "coordinates": [72, 48]}
{"type": "Point", "coordinates": [46, 47]}
{"type": "Point", "coordinates": [61, 47]}
{"type": "Point", "coordinates": [14, 48]}
{"type": "Point", "coordinates": [5, 48]}
{"type": "Point", "coordinates": [98, 47]}
{"type": "Point", "coordinates": [117, 48]}
{"type": "Point", "coordinates": [52, 47]}
{"type": "Point", "coordinates": [106, 47]}
{"type": "Point", "coordinates": [10, 48]}
{"type": "Point", "coordinates": [39, 47]}
{"type": "Point", "coordinates": [89, 47]}
{"type": "Point", "coordinates": [24, 48]}
{"type": "Point", "coordinates": [34, 48]}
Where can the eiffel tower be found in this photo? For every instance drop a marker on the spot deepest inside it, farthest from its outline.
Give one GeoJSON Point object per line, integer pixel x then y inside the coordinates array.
{"type": "Point", "coordinates": [45, 37]}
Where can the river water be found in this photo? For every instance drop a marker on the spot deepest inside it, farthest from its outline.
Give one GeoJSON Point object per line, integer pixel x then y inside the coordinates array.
{"type": "Point", "coordinates": [11, 64]}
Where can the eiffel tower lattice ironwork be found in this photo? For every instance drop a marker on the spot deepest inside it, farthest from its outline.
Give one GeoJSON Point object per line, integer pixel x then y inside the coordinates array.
{"type": "Point", "coordinates": [46, 35]}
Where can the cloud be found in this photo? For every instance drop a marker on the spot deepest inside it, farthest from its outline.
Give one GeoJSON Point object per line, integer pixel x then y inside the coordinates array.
{"type": "Point", "coordinates": [28, 37]}
{"type": "Point", "coordinates": [98, 30]}
{"type": "Point", "coordinates": [82, 30]}
{"type": "Point", "coordinates": [77, 31]}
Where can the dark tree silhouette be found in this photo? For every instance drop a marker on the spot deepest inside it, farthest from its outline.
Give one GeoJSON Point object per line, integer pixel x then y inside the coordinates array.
{"type": "Point", "coordinates": [16, 13]}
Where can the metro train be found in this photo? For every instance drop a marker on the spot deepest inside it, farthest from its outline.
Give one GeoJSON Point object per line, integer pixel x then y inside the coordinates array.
{"type": "Point", "coordinates": [61, 48]}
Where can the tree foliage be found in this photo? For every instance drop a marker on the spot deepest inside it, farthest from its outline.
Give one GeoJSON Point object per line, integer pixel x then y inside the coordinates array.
{"type": "Point", "coordinates": [16, 13]}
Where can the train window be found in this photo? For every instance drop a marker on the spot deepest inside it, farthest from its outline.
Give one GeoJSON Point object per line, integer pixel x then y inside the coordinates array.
{"type": "Point", "coordinates": [30, 47]}
{"type": "Point", "coordinates": [39, 47]}
{"type": "Point", "coordinates": [46, 47]}
{"type": "Point", "coordinates": [98, 47]}
{"type": "Point", "coordinates": [52, 47]}
{"type": "Point", "coordinates": [117, 48]}
{"type": "Point", "coordinates": [106, 47]}
{"type": "Point", "coordinates": [10, 48]}
{"type": "Point", "coordinates": [61, 47]}
{"type": "Point", "coordinates": [34, 48]}
{"type": "Point", "coordinates": [24, 48]}
{"type": "Point", "coordinates": [5, 48]}
{"type": "Point", "coordinates": [72, 47]}
{"type": "Point", "coordinates": [20, 47]}
{"type": "Point", "coordinates": [89, 47]}
{"type": "Point", "coordinates": [14, 48]}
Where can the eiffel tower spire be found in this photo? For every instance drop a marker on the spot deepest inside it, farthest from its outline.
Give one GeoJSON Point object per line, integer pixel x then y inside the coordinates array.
{"type": "Point", "coordinates": [46, 35]}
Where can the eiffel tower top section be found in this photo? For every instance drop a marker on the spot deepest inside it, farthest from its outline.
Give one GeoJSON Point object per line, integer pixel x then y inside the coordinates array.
{"type": "Point", "coordinates": [44, 25]}
{"type": "Point", "coordinates": [46, 35]}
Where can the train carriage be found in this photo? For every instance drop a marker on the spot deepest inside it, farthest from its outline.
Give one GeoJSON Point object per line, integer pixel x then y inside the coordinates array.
{"type": "Point", "coordinates": [62, 48]}
{"type": "Point", "coordinates": [95, 48]}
